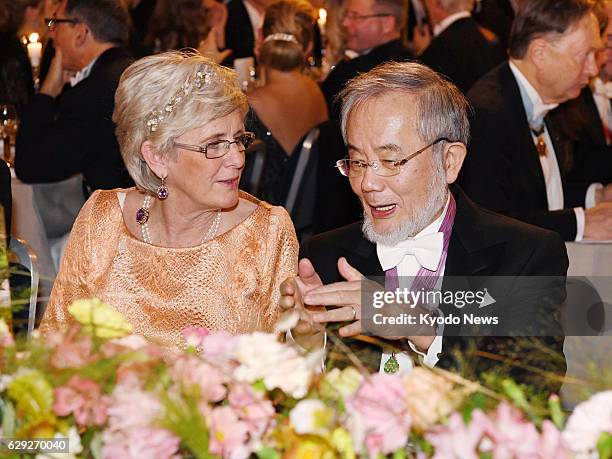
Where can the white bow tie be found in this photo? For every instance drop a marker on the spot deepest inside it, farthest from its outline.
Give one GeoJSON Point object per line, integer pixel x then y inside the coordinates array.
{"type": "Point", "coordinates": [603, 89]}
{"type": "Point", "coordinates": [426, 249]}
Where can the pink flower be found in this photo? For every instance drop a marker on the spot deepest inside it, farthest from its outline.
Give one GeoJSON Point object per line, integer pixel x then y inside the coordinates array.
{"type": "Point", "coordinates": [228, 435]}
{"type": "Point", "coordinates": [83, 398]}
{"type": "Point", "coordinates": [132, 408]}
{"type": "Point", "coordinates": [457, 440]}
{"type": "Point", "coordinates": [381, 419]}
{"type": "Point", "coordinates": [149, 442]}
{"type": "Point", "coordinates": [219, 344]}
{"type": "Point", "coordinates": [130, 343]}
{"type": "Point", "coordinates": [73, 350]}
{"type": "Point", "coordinates": [552, 444]}
{"type": "Point", "coordinates": [252, 408]}
{"type": "Point", "coordinates": [194, 336]}
{"type": "Point", "coordinates": [511, 435]}
{"type": "Point", "coordinates": [190, 371]}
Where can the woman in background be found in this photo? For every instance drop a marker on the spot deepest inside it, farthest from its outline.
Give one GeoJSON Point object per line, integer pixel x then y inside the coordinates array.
{"type": "Point", "coordinates": [290, 103]}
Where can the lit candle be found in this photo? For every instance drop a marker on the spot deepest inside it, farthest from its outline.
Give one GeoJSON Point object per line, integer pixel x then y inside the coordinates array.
{"type": "Point", "coordinates": [322, 19]}
{"type": "Point", "coordinates": [34, 49]}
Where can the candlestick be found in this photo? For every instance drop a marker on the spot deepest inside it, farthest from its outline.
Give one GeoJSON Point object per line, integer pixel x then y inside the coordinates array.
{"type": "Point", "coordinates": [34, 50]}
{"type": "Point", "coordinates": [322, 20]}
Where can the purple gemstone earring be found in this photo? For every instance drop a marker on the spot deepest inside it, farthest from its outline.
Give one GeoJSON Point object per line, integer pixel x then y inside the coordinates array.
{"type": "Point", "coordinates": [162, 191]}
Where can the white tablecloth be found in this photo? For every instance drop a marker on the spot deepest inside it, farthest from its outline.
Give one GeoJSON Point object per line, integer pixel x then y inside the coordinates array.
{"type": "Point", "coordinates": [588, 357]}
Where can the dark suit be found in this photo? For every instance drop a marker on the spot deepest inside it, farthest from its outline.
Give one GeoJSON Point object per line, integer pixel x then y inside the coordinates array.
{"type": "Point", "coordinates": [462, 53]}
{"type": "Point", "coordinates": [592, 156]}
{"type": "Point", "coordinates": [239, 34]}
{"type": "Point", "coordinates": [497, 16]}
{"type": "Point", "coordinates": [348, 69]}
{"type": "Point", "coordinates": [75, 133]}
{"type": "Point", "coordinates": [482, 244]}
{"type": "Point", "coordinates": [6, 197]}
{"type": "Point", "coordinates": [502, 170]}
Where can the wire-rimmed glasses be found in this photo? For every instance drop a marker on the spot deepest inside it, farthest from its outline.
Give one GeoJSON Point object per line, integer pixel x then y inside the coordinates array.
{"type": "Point", "coordinates": [219, 148]}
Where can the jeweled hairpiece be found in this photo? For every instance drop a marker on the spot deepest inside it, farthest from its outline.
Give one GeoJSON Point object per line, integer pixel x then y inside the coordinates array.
{"type": "Point", "coordinates": [282, 37]}
{"type": "Point", "coordinates": [203, 76]}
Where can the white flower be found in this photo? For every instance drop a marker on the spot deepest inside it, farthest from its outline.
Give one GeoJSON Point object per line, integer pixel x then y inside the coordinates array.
{"type": "Point", "coordinates": [280, 366]}
{"type": "Point", "coordinates": [74, 446]}
{"type": "Point", "coordinates": [5, 380]}
{"type": "Point", "coordinates": [311, 417]}
{"type": "Point", "coordinates": [588, 421]}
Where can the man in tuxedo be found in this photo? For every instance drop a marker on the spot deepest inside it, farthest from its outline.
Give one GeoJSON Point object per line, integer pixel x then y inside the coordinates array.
{"type": "Point", "coordinates": [591, 113]}
{"type": "Point", "coordinates": [68, 128]}
{"type": "Point", "coordinates": [373, 31]}
{"type": "Point", "coordinates": [244, 19]}
{"type": "Point", "coordinates": [459, 49]}
{"type": "Point", "coordinates": [406, 129]}
{"type": "Point", "coordinates": [520, 150]}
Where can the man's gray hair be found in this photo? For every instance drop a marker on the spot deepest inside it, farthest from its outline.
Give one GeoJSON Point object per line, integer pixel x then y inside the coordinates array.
{"type": "Point", "coordinates": [442, 109]}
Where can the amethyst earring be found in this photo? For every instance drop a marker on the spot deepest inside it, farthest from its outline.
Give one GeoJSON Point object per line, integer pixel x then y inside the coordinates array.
{"type": "Point", "coordinates": [162, 191]}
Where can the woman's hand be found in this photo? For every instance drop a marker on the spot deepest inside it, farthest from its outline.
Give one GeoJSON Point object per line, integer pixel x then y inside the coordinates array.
{"type": "Point", "coordinates": [210, 48]}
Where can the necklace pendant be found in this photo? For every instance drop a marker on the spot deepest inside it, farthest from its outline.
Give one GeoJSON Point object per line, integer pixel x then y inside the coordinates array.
{"type": "Point", "coordinates": [391, 365]}
{"type": "Point", "coordinates": [142, 216]}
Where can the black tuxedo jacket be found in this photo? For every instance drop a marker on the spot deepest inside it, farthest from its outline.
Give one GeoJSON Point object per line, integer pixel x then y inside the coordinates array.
{"type": "Point", "coordinates": [482, 243]}
{"type": "Point", "coordinates": [238, 32]}
{"type": "Point", "coordinates": [592, 158]}
{"type": "Point", "coordinates": [497, 16]}
{"type": "Point", "coordinates": [348, 69]}
{"type": "Point", "coordinates": [75, 133]}
{"type": "Point", "coordinates": [462, 53]}
{"type": "Point", "coordinates": [502, 171]}
{"type": "Point", "coordinates": [6, 198]}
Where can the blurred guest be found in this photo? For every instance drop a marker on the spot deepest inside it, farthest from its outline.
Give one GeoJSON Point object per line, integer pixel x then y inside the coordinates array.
{"type": "Point", "coordinates": [186, 247]}
{"type": "Point", "coordinates": [16, 83]}
{"type": "Point", "coordinates": [496, 16]}
{"type": "Point", "coordinates": [518, 155]}
{"type": "Point", "coordinates": [244, 20]}
{"type": "Point", "coordinates": [68, 129]}
{"type": "Point", "coordinates": [5, 195]}
{"type": "Point", "coordinates": [373, 31]}
{"type": "Point", "coordinates": [176, 24]}
{"type": "Point", "coordinates": [459, 49]}
{"type": "Point", "coordinates": [592, 113]}
{"type": "Point", "coordinates": [290, 103]}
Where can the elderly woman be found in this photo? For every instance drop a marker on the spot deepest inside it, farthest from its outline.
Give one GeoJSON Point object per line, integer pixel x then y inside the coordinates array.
{"type": "Point", "coordinates": [185, 247]}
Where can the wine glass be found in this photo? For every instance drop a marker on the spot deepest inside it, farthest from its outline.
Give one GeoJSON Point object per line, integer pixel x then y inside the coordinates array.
{"type": "Point", "coordinates": [9, 122]}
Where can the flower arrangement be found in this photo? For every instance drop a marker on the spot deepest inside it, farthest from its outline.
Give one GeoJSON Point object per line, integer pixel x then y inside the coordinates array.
{"type": "Point", "coordinates": [114, 395]}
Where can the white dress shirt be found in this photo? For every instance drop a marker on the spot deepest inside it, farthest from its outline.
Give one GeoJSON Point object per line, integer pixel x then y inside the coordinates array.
{"type": "Point", "coordinates": [536, 110]}
{"type": "Point", "coordinates": [448, 21]}
{"type": "Point", "coordinates": [602, 93]}
{"type": "Point", "coordinates": [83, 73]}
{"type": "Point", "coordinates": [409, 268]}
{"type": "Point", "coordinates": [255, 17]}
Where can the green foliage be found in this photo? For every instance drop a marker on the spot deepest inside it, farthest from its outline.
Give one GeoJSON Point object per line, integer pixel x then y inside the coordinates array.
{"type": "Point", "coordinates": [477, 400]}
{"type": "Point", "coordinates": [268, 453]}
{"type": "Point", "coordinates": [184, 419]}
{"type": "Point", "coordinates": [604, 445]}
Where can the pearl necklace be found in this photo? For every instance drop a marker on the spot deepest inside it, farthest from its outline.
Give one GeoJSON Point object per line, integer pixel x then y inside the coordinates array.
{"type": "Point", "coordinates": [142, 218]}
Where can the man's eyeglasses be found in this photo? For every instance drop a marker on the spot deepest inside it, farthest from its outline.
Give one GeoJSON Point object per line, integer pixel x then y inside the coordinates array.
{"type": "Point", "coordinates": [383, 168]}
{"type": "Point", "coordinates": [220, 148]}
{"type": "Point", "coordinates": [362, 17]}
{"type": "Point", "coordinates": [52, 22]}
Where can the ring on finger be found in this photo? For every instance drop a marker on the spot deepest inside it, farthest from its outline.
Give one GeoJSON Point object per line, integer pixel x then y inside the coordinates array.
{"type": "Point", "coordinates": [354, 313]}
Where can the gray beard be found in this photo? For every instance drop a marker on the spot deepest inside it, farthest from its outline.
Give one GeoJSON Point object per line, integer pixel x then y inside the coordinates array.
{"type": "Point", "coordinates": [420, 218]}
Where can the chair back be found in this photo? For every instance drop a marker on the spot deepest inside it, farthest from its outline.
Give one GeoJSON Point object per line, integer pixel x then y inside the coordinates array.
{"type": "Point", "coordinates": [27, 258]}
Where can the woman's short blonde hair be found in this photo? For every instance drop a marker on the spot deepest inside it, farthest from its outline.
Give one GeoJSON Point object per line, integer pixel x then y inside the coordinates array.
{"type": "Point", "coordinates": [161, 97]}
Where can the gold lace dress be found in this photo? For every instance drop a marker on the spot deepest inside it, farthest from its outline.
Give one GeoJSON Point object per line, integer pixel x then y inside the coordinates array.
{"type": "Point", "coordinates": [229, 283]}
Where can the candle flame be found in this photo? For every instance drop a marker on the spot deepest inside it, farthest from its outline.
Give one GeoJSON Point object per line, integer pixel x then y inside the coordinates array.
{"type": "Point", "coordinates": [322, 15]}
{"type": "Point", "coordinates": [33, 37]}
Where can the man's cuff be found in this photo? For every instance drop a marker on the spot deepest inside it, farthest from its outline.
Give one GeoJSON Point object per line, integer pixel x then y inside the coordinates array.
{"type": "Point", "coordinates": [579, 211]}
{"type": "Point", "coordinates": [589, 199]}
{"type": "Point", "coordinates": [431, 357]}
{"type": "Point", "coordinates": [290, 340]}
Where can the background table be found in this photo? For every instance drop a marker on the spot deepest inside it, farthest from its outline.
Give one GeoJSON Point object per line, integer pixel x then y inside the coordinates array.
{"type": "Point", "coordinates": [588, 357]}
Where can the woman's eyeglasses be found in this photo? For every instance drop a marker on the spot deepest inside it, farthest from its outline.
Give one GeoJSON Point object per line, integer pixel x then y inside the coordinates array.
{"type": "Point", "coordinates": [220, 148]}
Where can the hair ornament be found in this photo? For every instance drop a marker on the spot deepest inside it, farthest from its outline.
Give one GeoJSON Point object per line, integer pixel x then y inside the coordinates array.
{"type": "Point", "coordinates": [203, 77]}
{"type": "Point", "coordinates": [282, 37]}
